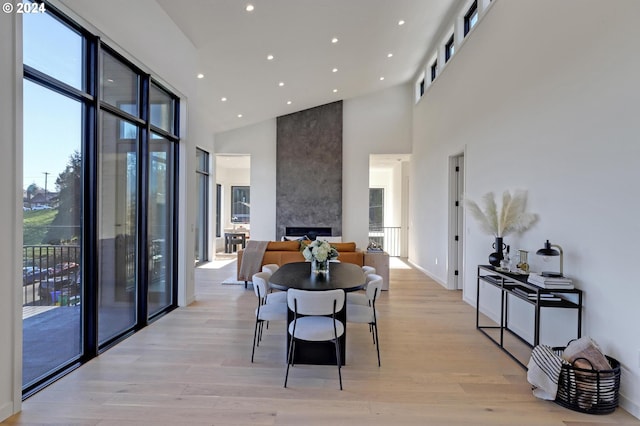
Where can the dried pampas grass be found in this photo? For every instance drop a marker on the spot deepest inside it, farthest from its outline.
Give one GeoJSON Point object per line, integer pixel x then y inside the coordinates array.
{"type": "Point", "coordinates": [511, 218]}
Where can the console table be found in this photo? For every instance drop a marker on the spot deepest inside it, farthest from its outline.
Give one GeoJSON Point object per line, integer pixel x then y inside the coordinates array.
{"type": "Point", "coordinates": [516, 285]}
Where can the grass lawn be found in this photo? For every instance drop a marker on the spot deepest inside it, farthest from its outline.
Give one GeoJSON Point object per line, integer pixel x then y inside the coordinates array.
{"type": "Point", "coordinates": [36, 224]}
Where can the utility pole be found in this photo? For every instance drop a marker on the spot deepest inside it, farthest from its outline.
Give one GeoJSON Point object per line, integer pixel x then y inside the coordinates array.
{"type": "Point", "coordinates": [46, 199]}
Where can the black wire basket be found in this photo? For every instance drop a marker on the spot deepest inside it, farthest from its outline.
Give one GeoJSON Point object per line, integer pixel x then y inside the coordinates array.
{"type": "Point", "coordinates": [587, 390]}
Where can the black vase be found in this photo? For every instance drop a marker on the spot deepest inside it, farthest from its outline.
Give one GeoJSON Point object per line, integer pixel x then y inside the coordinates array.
{"type": "Point", "coordinates": [496, 257]}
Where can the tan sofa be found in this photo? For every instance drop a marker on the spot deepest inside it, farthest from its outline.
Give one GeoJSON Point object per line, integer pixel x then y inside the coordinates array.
{"type": "Point", "coordinates": [281, 252]}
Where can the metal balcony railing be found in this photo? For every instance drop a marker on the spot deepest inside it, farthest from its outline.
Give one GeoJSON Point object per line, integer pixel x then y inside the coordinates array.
{"type": "Point", "coordinates": [387, 237]}
{"type": "Point", "coordinates": [51, 275]}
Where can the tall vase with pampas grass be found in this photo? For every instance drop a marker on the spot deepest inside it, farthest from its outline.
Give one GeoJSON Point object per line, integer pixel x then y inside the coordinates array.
{"type": "Point", "coordinates": [511, 218]}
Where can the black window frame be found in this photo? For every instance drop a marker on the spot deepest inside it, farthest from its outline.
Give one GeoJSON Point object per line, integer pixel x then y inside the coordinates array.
{"type": "Point", "coordinates": [434, 70]}
{"type": "Point", "coordinates": [468, 17]}
{"type": "Point", "coordinates": [449, 48]}
{"type": "Point", "coordinates": [93, 106]}
{"type": "Point", "coordinates": [233, 205]}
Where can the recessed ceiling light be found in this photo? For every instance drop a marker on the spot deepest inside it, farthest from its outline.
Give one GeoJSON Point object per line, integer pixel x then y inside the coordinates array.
{"type": "Point", "coordinates": [334, 40]}
{"type": "Point", "coordinates": [288, 102]}
{"type": "Point", "coordinates": [381, 78]}
{"type": "Point", "coordinates": [389, 55]}
{"type": "Point", "coordinates": [334, 70]}
{"type": "Point", "coordinates": [223, 99]}
{"type": "Point", "coordinates": [269, 57]}
{"type": "Point", "coordinates": [239, 115]}
{"type": "Point", "coordinates": [281, 84]}
{"type": "Point", "coordinates": [200, 75]}
{"type": "Point", "coordinates": [401, 22]}
{"type": "Point", "coordinates": [335, 90]}
{"type": "Point", "coordinates": [249, 8]}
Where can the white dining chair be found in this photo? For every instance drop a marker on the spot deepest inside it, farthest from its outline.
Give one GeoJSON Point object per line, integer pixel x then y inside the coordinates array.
{"type": "Point", "coordinates": [359, 297]}
{"type": "Point", "coordinates": [270, 267]}
{"type": "Point", "coordinates": [311, 323]}
{"type": "Point", "coordinates": [368, 270]}
{"type": "Point", "coordinates": [265, 311]}
{"type": "Point", "coordinates": [269, 297]}
{"type": "Point", "coordinates": [367, 314]}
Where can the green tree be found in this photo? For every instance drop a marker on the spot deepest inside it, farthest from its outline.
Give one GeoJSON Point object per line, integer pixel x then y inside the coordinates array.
{"type": "Point", "coordinates": [66, 224]}
{"type": "Point", "coordinates": [31, 190]}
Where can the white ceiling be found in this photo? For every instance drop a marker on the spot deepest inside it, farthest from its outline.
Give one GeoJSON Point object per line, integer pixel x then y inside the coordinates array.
{"type": "Point", "coordinates": [233, 45]}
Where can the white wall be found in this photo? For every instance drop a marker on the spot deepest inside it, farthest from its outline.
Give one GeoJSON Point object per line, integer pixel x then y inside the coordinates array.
{"type": "Point", "coordinates": [390, 179]}
{"type": "Point", "coordinates": [10, 214]}
{"type": "Point", "coordinates": [258, 141]}
{"type": "Point", "coordinates": [379, 123]}
{"type": "Point", "coordinates": [375, 124]}
{"type": "Point", "coordinates": [228, 177]}
{"type": "Point", "coordinates": [544, 96]}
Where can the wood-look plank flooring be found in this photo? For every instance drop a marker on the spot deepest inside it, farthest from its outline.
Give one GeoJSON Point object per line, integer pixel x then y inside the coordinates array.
{"type": "Point", "coordinates": [193, 367]}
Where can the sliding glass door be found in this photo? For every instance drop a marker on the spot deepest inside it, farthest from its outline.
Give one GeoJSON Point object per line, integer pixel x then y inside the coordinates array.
{"type": "Point", "coordinates": [160, 223]}
{"type": "Point", "coordinates": [117, 227]}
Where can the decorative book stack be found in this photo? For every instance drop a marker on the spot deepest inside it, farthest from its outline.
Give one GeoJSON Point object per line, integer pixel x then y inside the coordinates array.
{"type": "Point", "coordinates": [557, 283]}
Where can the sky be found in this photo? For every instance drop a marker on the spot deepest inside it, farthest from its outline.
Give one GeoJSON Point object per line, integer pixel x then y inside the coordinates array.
{"type": "Point", "coordinates": [52, 122]}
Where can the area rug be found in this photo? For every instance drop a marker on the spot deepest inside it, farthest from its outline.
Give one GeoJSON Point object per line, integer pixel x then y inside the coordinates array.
{"type": "Point", "coordinates": [234, 281]}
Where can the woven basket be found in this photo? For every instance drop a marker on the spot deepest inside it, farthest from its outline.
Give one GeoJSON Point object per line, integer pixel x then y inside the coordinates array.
{"type": "Point", "coordinates": [588, 391]}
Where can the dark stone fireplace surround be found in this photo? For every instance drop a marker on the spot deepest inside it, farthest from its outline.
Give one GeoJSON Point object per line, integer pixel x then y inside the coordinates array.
{"type": "Point", "coordinates": [309, 171]}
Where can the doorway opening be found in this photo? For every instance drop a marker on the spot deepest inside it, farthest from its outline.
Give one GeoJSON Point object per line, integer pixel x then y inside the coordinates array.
{"type": "Point", "coordinates": [233, 203]}
{"type": "Point", "coordinates": [388, 202]}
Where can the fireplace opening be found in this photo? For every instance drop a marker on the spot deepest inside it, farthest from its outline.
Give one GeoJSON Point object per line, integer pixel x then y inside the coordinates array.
{"type": "Point", "coordinates": [310, 232]}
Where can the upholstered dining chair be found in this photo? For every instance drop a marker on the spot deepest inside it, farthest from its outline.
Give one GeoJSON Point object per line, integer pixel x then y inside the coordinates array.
{"type": "Point", "coordinates": [265, 311]}
{"type": "Point", "coordinates": [270, 267]}
{"type": "Point", "coordinates": [359, 297]}
{"type": "Point", "coordinates": [311, 323]}
{"type": "Point", "coordinates": [367, 314]}
{"type": "Point", "coordinates": [368, 270]}
{"type": "Point", "coordinates": [269, 297]}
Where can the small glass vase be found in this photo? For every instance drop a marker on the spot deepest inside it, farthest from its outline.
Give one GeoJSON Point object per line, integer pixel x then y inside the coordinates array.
{"type": "Point", "coordinates": [320, 267]}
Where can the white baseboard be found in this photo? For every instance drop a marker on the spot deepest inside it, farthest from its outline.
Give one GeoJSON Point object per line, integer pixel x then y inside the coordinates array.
{"type": "Point", "coordinates": [6, 411]}
{"type": "Point", "coordinates": [428, 273]}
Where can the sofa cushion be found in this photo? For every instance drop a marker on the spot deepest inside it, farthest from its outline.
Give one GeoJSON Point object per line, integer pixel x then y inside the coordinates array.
{"type": "Point", "coordinates": [283, 246]}
{"type": "Point", "coordinates": [344, 246]}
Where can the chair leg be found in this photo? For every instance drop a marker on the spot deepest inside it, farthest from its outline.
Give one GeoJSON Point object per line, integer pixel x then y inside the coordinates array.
{"type": "Point", "coordinates": [245, 284]}
{"type": "Point", "coordinates": [286, 376]}
{"type": "Point", "coordinates": [255, 333]}
{"type": "Point", "coordinates": [339, 361]}
{"type": "Point", "coordinates": [375, 327]}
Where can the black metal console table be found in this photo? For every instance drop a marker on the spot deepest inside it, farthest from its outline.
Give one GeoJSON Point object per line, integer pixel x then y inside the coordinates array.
{"type": "Point", "coordinates": [516, 285]}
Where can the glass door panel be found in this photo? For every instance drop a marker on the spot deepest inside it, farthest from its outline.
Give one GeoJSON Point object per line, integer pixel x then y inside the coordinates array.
{"type": "Point", "coordinates": [51, 284]}
{"type": "Point", "coordinates": [117, 231]}
{"type": "Point", "coordinates": [160, 223]}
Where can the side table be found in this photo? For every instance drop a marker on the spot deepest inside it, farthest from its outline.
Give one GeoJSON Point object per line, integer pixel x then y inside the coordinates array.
{"type": "Point", "coordinates": [380, 261]}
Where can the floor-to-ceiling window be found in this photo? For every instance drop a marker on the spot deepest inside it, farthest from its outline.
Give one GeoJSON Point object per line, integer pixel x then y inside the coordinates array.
{"type": "Point", "coordinates": [202, 213]}
{"type": "Point", "coordinates": [100, 167]}
{"type": "Point", "coordinates": [54, 118]}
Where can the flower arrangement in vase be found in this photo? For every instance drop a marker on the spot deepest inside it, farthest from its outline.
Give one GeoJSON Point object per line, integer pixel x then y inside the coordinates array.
{"type": "Point", "coordinates": [319, 253]}
{"type": "Point", "coordinates": [512, 217]}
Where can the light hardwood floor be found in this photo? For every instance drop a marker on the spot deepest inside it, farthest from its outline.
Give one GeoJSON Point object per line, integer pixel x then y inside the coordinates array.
{"type": "Point", "coordinates": [192, 367]}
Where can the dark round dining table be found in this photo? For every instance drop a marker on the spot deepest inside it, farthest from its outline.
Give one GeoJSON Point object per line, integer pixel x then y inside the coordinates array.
{"type": "Point", "coordinates": [342, 275]}
{"type": "Point", "coordinates": [345, 276]}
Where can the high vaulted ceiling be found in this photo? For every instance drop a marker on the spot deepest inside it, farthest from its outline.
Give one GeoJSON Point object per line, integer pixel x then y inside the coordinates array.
{"type": "Point", "coordinates": [372, 52]}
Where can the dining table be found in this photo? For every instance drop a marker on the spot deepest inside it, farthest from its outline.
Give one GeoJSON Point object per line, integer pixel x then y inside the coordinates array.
{"type": "Point", "coordinates": [299, 275]}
